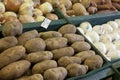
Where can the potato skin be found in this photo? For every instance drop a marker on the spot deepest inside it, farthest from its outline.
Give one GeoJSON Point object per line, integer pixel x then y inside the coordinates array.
{"type": "Point", "coordinates": [41, 67]}
{"type": "Point", "coordinates": [85, 54]}
{"type": "Point", "coordinates": [66, 51]}
{"type": "Point", "coordinates": [11, 54]}
{"type": "Point", "coordinates": [73, 37]}
{"type": "Point", "coordinates": [35, 45]}
{"type": "Point", "coordinates": [68, 28]}
{"type": "Point", "coordinates": [14, 70]}
{"type": "Point", "coordinates": [56, 43]}
{"type": "Point", "coordinates": [75, 69]}
{"type": "Point", "coordinates": [58, 73]}
{"type": "Point", "coordinates": [39, 56]}
{"type": "Point", "coordinates": [49, 34]}
{"type": "Point", "coordinates": [12, 28]}
{"type": "Point", "coordinates": [80, 46]}
{"type": "Point", "coordinates": [7, 42]}
{"type": "Point", "coordinates": [66, 60]}
{"type": "Point", "coordinates": [94, 62]}
{"type": "Point", "coordinates": [32, 77]}
{"type": "Point", "coordinates": [27, 36]}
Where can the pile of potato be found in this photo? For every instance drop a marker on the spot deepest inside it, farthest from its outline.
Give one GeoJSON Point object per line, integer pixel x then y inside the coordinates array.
{"type": "Point", "coordinates": [26, 11]}
{"type": "Point", "coordinates": [86, 7]}
{"type": "Point", "coordinates": [105, 37]}
{"type": "Point", "coordinates": [51, 55]}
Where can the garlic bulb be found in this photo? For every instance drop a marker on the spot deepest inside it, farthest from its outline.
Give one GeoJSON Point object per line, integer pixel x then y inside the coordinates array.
{"type": "Point", "coordinates": [26, 9]}
{"type": "Point", "coordinates": [86, 26]}
{"type": "Point", "coordinates": [107, 28]}
{"type": "Point", "coordinates": [98, 29]}
{"type": "Point", "coordinates": [101, 47]}
{"type": "Point", "coordinates": [9, 13]}
{"type": "Point", "coordinates": [39, 18]}
{"type": "Point", "coordinates": [118, 22]}
{"type": "Point", "coordinates": [37, 12]}
{"type": "Point", "coordinates": [46, 8]}
{"type": "Point", "coordinates": [117, 44]}
{"type": "Point", "coordinates": [115, 36]}
{"type": "Point", "coordinates": [113, 24]}
{"type": "Point", "coordinates": [105, 38]}
{"type": "Point", "coordinates": [114, 54]}
{"type": "Point", "coordinates": [110, 46]}
{"type": "Point", "coordinates": [81, 30]}
{"type": "Point", "coordinates": [2, 7]}
{"type": "Point", "coordinates": [26, 19]}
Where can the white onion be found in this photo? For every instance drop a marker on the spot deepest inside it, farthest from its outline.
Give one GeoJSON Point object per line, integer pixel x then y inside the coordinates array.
{"type": "Point", "coordinates": [2, 7]}
{"type": "Point", "coordinates": [39, 18]}
{"type": "Point", "coordinates": [9, 13]}
{"type": "Point", "coordinates": [26, 19]}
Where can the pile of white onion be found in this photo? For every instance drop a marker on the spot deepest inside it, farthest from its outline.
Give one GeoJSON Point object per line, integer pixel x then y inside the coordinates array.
{"type": "Point", "coordinates": [105, 37]}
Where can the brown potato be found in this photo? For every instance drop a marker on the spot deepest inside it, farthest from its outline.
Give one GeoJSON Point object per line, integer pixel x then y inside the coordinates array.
{"type": "Point", "coordinates": [85, 54]}
{"type": "Point", "coordinates": [86, 3]}
{"type": "Point", "coordinates": [49, 34]}
{"type": "Point", "coordinates": [56, 43]}
{"type": "Point", "coordinates": [75, 69]}
{"type": "Point", "coordinates": [35, 45]}
{"type": "Point", "coordinates": [94, 62]}
{"type": "Point", "coordinates": [80, 46]}
{"type": "Point", "coordinates": [32, 77]}
{"type": "Point", "coordinates": [66, 60]}
{"type": "Point", "coordinates": [58, 73]}
{"type": "Point", "coordinates": [41, 67]}
{"type": "Point", "coordinates": [73, 38]}
{"type": "Point", "coordinates": [68, 28]}
{"type": "Point", "coordinates": [55, 3]}
{"type": "Point", "coordinates": [7, 42]}
{"type": "Point", "coordinates": [39, 56]}
{"type": "Point", "coordinates": [12, 28]}
{"type": "Point", "coordinates": [67, 3]}
{"type": "Point", "coordinates": [11, 55]}
{"type": "Point", "coordinates": [14, 70]}
{"type": "Point", "coordinates": [27, 36]}
{"type": "Point", "coordinates": [66, 51]}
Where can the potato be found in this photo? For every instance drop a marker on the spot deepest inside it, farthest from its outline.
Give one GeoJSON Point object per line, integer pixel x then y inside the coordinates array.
{"type": "Point", "coordinates": [66, 51]}
{"type": "Point", "coordinates": [92, 10]}
{"type": "Point", "coordinates": [75, 69]}
{"type": "Point", "coordinates": [79, 9]}
{"type": "Point", "coordinates": [51, 16]}
{"type": "Point", "coordinates": [76, 1]}
{"type": "Point", "coordinates": [70, 12]}
{"type": "Point", "coordinates": [86, 3]}
{"type": "Point", "coordinates": [68, 28]}
{"type": "Point", "coordinates": [66, 60]}
{"type": "Point", "coordinates": [99, 1]}
{"type": "Point", "coordinates": [58, 73]}
{"type": "Point", "coordinates": [7, 42]}
{"type": "Point", "coordinates": [49, 34]}
{"type": "Point", "coordinates": [39, 56]}
{"type": "Point", "coordinates": [62, 8]}
{"type": "Point", "coordinates": [56, 43]}
{"type": "Point", "coordinates": [55, 3]}
{"type": "Point", "coordinates": [32, 77]}
{"type": "Point", "coordinates": [94, 62]}
{"type": "Point", "coordinates": [27, 36]}
{"type": "Point", "coordinates": [14, 70]}
{"type": "Point", "coordinates": [85, 54]}
{"type": "Point", "coordinates": [73, 38]}
{"type": "Point", "coordinates": [41, 67]}
{"type": "Point", "coordinates": [35, 45]}
{"type": "Point", "coordinates": [12, 28]}
{"type": "Point", "coordinates": [80, 46]}
{"type": "Point", "coordinates": [67, 3]}
{"type": "Point", "coordinates": [11, 55]}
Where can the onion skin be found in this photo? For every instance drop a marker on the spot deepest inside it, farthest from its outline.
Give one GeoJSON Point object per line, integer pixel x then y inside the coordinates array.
{"type": "Point", "coordinates": [12, 5]}
{"type": "Point", "coordinates": [52, 16]}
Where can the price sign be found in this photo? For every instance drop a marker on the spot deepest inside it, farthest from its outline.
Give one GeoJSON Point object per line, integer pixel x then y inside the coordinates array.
{"type": "Point", "coordinates": [45, 23]}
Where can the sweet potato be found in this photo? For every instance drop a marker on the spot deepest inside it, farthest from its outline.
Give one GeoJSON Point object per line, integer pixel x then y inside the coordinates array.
{"type": "Point", "coordinates": [12, 28]}
{"type": "Point", "coordinates": [35, 45]}
{"type": "Point", "coordinates": [49, 34]}
{"type": "Point", "coordinates": [106, 7]}
{"type": "Point", "coordinates": [105, 11]}
{"type": "Point", "coordinates": [58, 73]}
{"type": "Point", "coordinates": [11, 55]}
{"type": "Point", "coordinates": [80, 46]}
{"type": "Point", "coordinates": [66, 60]}
{"type": "Point", "coordinates": [116, 5]}
{"type": "Point", "coordinates": [92, 10]}
{"type": "Point", "coordinates": [27, 36]}
{"type": "Point", "coordinates": [14, 70]}
{"type": "Point", "coordinates": [41, 67]}
{"type": "Point", "coordinates": [99, 1]}
{"type": "Point", "coordinates": [66, 51]}
{"type": "Point", "coordinates": [75, 69]}
{"type": "Point", "coordinates": [32, 77]}
{"type": "Point", "coordinates": [39, 56]}
{"type": "Point", "coordinates": [73, 37]}
{"type": "Point", "coordinates": [55, 43]}
{"type": "Point", "coordinates": [68, 28]}
{"type": "Point", "coordinates": [7, 42]}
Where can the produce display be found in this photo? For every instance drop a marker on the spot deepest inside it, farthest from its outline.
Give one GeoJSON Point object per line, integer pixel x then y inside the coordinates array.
{"type": "Point", "coordinates": [105, 37]}
{"type": "Point", "coordinates": [26, 11]}
{"type": "Point", "coordinates": [86, 7]}
{"type": "Point", "coordinates": [50, 55]}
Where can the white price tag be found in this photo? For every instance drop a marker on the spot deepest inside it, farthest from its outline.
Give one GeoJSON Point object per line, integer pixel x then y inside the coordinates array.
{"type": "Point", "coordinates": [45, 23]}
